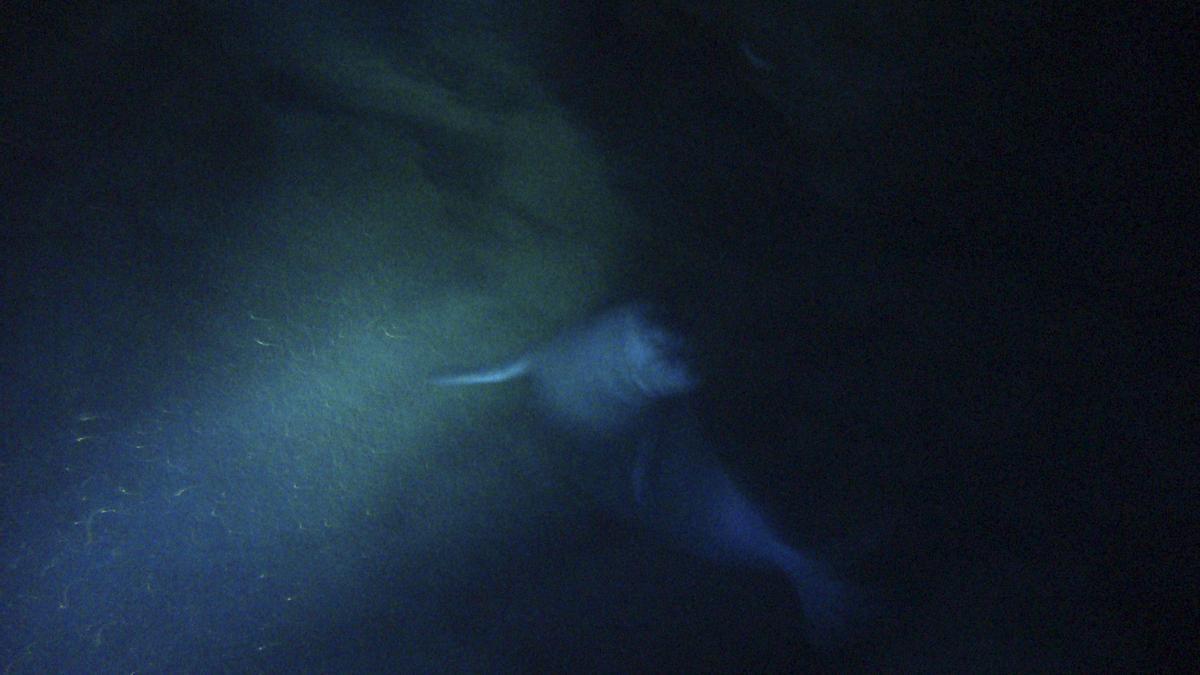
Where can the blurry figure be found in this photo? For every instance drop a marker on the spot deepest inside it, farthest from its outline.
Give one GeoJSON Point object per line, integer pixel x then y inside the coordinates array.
{"type": "Point", "coordinates": [615, 383]}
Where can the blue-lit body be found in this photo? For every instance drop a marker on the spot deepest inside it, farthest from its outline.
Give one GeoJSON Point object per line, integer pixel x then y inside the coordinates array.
{"type": "Point", "coordinates": [616, 384]}
{"type": "Point", "coordinates": [678, 488]}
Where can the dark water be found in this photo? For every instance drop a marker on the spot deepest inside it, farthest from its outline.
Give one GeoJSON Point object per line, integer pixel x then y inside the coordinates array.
{"type": "Point", "coordinates": [935, 286]}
